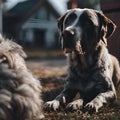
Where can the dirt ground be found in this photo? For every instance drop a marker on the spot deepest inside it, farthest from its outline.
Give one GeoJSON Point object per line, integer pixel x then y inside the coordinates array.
{"type": "Point", "coordinates": [51, 73]}
{"type": "Point", "coordinates": [48, 68]}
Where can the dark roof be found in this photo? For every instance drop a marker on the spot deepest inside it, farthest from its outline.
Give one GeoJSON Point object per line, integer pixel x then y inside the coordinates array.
{"type": "Point", "coordinates": [23, 8]}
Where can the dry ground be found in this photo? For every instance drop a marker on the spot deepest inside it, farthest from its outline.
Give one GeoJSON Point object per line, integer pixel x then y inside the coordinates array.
{"type": "Point", "coordinates": [51, 73]}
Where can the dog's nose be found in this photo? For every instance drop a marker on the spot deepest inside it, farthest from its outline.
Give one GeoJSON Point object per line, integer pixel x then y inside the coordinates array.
{"type": "Point", "coordinates": [68, 33]}
{"type": "Point", "coordinates": [68, 39]}
{"type": "Point", "coordinates": [71, 31]}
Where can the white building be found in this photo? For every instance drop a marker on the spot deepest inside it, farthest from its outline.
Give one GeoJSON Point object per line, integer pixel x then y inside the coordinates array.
{"type": "Point", "coordinates": [34, 22]}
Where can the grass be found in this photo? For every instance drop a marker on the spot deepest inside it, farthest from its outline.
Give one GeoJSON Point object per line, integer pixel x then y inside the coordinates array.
{"type": "Point", "coordinates": [50, 72]}
{"type": "Point", "coordinates": [107, 113]}
{"type": "Point", "coordinates": [44, 53]}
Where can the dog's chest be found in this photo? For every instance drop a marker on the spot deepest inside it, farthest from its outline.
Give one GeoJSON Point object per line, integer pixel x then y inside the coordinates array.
{"type": "Point", "coordinates": [82, 68]}
{"type": "Point", "coordinates": [86, 86]}
{"type": "Point", "coordinates": [82, 64]}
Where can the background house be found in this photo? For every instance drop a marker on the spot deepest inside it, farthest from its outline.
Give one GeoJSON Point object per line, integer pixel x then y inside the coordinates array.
{"type": "Point", "coordinates": [34, 22]}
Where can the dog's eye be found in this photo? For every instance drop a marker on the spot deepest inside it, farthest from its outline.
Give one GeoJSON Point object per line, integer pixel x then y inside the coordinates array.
{"type": "Point", "coordinates": [88, 23]}
{"type": "Point", "coordinates": [70, 19]}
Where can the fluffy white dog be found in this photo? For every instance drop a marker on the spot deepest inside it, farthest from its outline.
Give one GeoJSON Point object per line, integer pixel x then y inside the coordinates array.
{"type": "Point", "coordinates": [20, 91]}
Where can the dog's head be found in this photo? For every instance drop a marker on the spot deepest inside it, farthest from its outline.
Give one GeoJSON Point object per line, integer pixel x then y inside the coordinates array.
{"type": "Point", "coordinates": [11, 54]}
{"type": "Point", "coordinates": [82, 29]}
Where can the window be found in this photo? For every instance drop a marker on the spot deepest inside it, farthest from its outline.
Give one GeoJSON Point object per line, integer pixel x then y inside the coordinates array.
{"type": "Point", "coordinates": [42, 14]}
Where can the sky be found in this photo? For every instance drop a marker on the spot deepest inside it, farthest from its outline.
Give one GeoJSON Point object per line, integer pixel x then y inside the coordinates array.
{"type": "Point", "coordinates": [59, 4]}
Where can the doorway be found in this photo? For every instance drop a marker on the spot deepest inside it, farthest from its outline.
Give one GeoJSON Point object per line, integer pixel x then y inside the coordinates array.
{"type": "Point", "coordinates": [39, 37]}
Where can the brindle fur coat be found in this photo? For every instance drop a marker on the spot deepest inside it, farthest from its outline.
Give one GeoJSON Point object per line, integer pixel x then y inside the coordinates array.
{"type": "Point", "coordinates": [93, 72]}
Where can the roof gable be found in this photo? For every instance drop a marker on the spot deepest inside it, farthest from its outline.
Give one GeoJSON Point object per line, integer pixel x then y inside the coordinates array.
{"type": "Point", "coordinates": [42, 14]}
{"type": "Point", "coordinates": [23, 8]}
{"type": "Point", "coordinates": [30, 6]}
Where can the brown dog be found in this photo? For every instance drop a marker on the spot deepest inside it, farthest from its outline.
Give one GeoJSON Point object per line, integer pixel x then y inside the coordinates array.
{"type": "Point", "coordinates": [20, 91]}
{"type": "Point", "coordinates": [84, 34]}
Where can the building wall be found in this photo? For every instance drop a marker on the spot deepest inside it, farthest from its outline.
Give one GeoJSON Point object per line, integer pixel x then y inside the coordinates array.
{"type": "Point", "coordinates": [111, 8]}
{"type": "Point", "coordinates": [42, 22]}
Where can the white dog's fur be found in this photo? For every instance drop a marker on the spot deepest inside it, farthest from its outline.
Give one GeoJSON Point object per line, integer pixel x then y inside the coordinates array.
{"type": "Point", "coordinates": [20, 91]}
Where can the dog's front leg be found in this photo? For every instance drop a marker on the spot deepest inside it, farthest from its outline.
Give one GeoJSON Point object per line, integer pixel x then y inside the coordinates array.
{"type": "Point", "coordinates": [99, 101]}
{"type": "Point", "coordinates": [65, 96]}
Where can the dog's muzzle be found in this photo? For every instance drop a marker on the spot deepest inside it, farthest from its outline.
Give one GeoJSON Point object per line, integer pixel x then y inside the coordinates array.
{"type": "Point", "coordinates": [71, 42]}
{"type": "Point", "coordinates": [68, 36]}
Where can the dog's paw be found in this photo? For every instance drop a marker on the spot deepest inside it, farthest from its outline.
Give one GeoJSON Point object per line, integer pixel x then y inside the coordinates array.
{"type": "Point", "coordinates": [91, 107]}
{"type": "Point", "coordinates": [74, 106]}
{"type": "Point", "coordinates": [52, 106]}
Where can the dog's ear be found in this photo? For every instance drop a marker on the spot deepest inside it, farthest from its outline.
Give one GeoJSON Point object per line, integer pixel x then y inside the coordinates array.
{"type": "Point", "coordinates": [17, 48]}
{"type": "Point", "coordinates": [107, 27]}
{"type": "Point", "coordinates": [60, 21]}
{"type": "Point", "coordinates": [22, 53]}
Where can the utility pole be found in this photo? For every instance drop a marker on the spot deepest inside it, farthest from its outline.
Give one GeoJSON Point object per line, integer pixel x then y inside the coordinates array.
{"type": "Point", "coordinates": [1, 16]}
